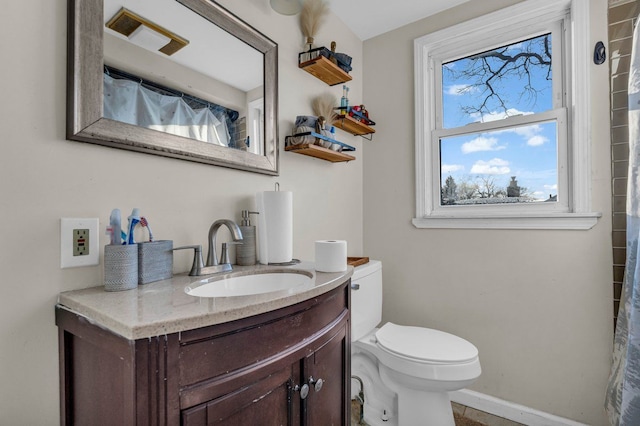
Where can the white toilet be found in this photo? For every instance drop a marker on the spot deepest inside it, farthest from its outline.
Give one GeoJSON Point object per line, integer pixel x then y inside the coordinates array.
{"type": "Point", "coordinates": [405, 372]}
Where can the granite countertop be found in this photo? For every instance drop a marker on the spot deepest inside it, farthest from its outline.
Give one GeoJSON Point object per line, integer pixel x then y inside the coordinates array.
{"type": "Point", "coordinates": [163, 307]}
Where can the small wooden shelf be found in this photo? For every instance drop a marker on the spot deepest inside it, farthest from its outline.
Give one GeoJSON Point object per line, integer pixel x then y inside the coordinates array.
{"type": "Point", "coordinates": [357, 261]}
{"type": "Point", "coordinates": [325, 70]}
{"type": "Point", "coordinates": [320, 152]}
{"type": "Point", "coordinates": [353, 126]}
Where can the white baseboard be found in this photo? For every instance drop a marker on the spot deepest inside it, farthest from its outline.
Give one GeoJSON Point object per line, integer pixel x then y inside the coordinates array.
{"type": "Point", "coordinates": [508, 410]}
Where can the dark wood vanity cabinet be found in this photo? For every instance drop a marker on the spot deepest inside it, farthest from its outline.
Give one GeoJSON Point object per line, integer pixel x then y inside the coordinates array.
{"type": "Point", "coordinates": [285, 367]}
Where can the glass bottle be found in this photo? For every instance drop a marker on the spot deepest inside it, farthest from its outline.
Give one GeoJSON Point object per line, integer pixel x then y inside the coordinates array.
{"type": "Point", "coordinates": [344, 101]}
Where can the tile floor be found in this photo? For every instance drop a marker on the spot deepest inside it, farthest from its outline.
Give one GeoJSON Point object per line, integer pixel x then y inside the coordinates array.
{"type": "Point", "coordinates": [463, 421]}
{"type": "Point", "coordinates": [464, 416]}
{"type": "Point", "coordinates": [478, 418]}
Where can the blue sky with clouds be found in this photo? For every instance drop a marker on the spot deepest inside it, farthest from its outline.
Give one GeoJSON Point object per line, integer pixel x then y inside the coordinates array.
{"type": "Point", "coordinates": [527, 152]}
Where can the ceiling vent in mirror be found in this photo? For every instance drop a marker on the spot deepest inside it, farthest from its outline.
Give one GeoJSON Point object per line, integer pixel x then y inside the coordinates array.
{"type": "Point", "coordinates": [286, 7]}
{"type": "Point", "coordinates": [145, 33]}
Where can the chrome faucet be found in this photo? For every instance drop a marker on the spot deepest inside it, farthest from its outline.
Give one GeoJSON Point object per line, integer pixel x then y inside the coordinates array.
{"type": "Point", "coordinates": [213, 265]}
{"type": "Point", "coordinates": [236, 234]}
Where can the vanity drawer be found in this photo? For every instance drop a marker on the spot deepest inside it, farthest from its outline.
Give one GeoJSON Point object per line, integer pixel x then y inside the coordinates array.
{"type": "Point", "coordinates": [266, 397]}
{"type": "Point", "coordinates": [220, 350]}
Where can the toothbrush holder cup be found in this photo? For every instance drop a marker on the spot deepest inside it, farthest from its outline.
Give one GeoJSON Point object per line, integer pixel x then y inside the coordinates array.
{"type": "Point", "coordinates": [120, 267]}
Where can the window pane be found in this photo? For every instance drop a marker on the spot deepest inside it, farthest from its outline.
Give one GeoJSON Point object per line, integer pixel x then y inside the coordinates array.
{"type": "Point", "coordinates": [511, 80]}
{"type": "Point", "coordinates": [513, 165]}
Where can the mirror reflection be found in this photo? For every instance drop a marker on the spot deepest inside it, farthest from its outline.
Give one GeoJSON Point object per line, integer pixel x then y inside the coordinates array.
{"type": "Point", "coordinates": [168, 69]}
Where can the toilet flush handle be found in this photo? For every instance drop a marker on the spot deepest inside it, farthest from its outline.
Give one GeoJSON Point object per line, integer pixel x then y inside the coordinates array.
{"type": "Point", "coordinates": [355, 286]}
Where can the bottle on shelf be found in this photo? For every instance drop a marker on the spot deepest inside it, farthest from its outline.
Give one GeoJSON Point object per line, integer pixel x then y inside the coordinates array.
{"type": "Point", "coordinates": [344, 101]}
{"type": "Point", "coordinates": [332, 57]}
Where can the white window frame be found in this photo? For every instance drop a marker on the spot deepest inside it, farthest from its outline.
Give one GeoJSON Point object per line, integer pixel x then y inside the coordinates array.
{"type": "Point", "coordinates": [255, 130]}
{"type": "Point", "coordinates": [572, 111]}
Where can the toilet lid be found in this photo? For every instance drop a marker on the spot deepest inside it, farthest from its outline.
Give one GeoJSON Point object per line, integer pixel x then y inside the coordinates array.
{"type": "Point", "coordinates": [425, 344]}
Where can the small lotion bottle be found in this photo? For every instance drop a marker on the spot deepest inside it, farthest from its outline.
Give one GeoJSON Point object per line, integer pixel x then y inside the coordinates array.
{"type": "Point", "coordinates": [246, 252]}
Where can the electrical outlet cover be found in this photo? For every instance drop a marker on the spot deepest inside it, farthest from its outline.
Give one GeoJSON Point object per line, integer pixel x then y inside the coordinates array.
{"type": "Point", "coordinates": [92, 248]}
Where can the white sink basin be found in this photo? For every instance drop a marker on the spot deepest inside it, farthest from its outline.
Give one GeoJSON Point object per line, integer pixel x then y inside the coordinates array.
{"type": "Point", "coordinates": [246, 285]}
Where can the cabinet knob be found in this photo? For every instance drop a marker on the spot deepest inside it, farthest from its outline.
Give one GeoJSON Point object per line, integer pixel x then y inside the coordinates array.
{"type": "Point", "coordinates": [317, 384]}
{"type": "Point", "coordinates": [304, 391]}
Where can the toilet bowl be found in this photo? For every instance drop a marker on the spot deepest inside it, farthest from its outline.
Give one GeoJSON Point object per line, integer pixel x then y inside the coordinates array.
{"type": "Point", "coordinates": [406, 371]}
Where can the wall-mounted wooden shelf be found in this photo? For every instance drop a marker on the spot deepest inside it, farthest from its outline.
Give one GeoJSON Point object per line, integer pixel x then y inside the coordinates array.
{"type": "Point", "coordinates": [320, 152]}
{"type": "Point", "coordinates": [353, 126]}
{"type": "Point", "coordinates": [325, 70]}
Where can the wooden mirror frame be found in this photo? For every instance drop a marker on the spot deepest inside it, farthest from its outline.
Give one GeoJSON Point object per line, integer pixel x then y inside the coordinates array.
{"type": "Point", "coordinates": [85, 91]}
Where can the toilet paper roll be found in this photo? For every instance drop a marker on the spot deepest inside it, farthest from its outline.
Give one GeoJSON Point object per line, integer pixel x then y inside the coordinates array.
{"type": "Point", "coordinates": [331, 256]}
{"type": "Point", "coordinates": [275, 226]}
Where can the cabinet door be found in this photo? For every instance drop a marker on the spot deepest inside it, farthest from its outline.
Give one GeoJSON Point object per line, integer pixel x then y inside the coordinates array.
{"type": "Point", "coordinates": [266, 402]}
{"type": "Point", "coordinates": [326, 372]}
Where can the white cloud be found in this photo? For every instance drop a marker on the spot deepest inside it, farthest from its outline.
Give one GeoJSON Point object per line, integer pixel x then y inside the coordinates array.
{"type": "Point", "coordinates": [537, 140]}
{"type": "Point", "coordinates": [481, 143]}
{"type": "Point", "coordinates": [539, 195]}
{"type": "Point", "coordinates": [496, 166]}
{"type": "Point", "coordinates": [531, 133]}
{"type": "Point", "coordinates": [551, 187]}
{"type": "Point", "coordinates": [499, 115]}
{"type": "Point", "coordinates": [526, 131]}
{"type": "Point", "coordinates": [450, 168]}
{"type": "Point", "coordinates": [460, 89]}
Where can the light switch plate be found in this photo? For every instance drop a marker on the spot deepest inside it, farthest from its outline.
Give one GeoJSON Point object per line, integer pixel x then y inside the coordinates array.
{"type": "Point", "coordinates": [79, 242]}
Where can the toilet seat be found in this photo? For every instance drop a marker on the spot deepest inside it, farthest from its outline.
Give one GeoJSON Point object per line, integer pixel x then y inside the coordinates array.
{"type": "Point", "coordinates": [424, 345]}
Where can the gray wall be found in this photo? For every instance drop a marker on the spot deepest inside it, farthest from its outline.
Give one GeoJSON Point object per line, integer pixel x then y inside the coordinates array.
{"type": "Point", "coordinates": [537, 304]}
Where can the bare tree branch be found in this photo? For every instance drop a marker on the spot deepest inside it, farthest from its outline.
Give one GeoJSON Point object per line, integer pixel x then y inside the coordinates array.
{"type": "Point", "coordinates": [486, 72]}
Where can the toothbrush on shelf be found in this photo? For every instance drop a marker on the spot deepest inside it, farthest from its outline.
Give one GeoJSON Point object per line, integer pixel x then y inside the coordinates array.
{"type": "Point", "coordinates": [134, 219]}
{"type": "Point", "coordinates": [145, 223]}
{"type": "Point", "coordinates": [115, 228]}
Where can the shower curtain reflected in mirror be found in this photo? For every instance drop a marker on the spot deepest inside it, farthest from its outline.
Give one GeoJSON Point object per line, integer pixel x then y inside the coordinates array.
{"type": "Point", "coordinates": [129, 102]}
{"type": "Point", "coordinates": [623, 393]}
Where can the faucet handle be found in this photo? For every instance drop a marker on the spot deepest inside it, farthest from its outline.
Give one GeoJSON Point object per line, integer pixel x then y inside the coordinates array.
{"type": "Point", "coordinates": [198, 264]}
{"type": "Point", "coordinates": [224, 256]}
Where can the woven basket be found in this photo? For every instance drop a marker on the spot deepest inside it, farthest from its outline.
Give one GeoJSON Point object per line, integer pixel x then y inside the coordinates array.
{"type": "Point", "coordinates": [155, 261]}
{"type": "Point", "coordinates": [120, 267]}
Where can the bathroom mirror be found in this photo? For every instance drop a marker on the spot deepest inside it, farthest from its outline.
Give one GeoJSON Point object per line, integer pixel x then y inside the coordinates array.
{"type": "Point", "coordinates": [238, 75]}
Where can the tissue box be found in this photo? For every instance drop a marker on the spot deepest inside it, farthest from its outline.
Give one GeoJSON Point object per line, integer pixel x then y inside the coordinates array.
{"type": "Point", "coordinates": [155, 261]}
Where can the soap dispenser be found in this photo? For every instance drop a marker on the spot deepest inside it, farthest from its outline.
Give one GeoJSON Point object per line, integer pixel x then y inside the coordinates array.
{"type": "Point", "coordinates": [246, 252]}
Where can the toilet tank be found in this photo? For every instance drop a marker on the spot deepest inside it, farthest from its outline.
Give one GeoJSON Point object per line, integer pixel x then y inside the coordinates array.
{"type": "Point", "coordinates": [366, 298]}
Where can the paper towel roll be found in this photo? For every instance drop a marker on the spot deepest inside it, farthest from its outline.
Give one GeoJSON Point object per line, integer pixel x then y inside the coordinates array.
{"type": "Point", "coordinates": [275, 226]}
{"type": "Point", "coordinates": [331, 255]}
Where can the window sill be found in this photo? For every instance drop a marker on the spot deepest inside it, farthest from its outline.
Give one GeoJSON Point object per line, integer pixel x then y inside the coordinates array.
{"type": "Point", "coordinates": [564, 221]}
